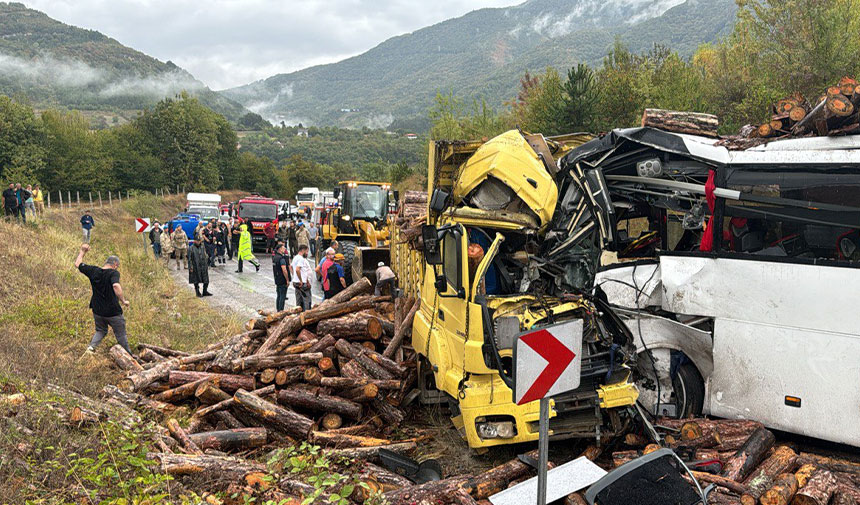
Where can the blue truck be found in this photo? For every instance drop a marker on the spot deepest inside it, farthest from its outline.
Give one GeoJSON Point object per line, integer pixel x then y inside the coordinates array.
{"type": "Point", "coordinates": [188, 223]}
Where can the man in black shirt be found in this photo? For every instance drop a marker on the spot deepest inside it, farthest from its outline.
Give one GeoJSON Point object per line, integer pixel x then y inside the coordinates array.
{"type": "Point", "coordinates": [280, 268]}
{"type": "Point", "coordinates": [107, 299]}
{"type": "Point", "coordinates": [10, 201]}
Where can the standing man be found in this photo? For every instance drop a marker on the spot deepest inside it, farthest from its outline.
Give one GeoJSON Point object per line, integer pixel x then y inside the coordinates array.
{"type": "Point", "coordinates": [223, 238]}
{"type": "Point", "coordinates": [106, 299]}
{"type": "Point", "coordinates": [312, 232]}
{"type": "Point", "coordinates": [38, 199]}
{"type": "Point", "coordinates": [283, 234]}
{"type": "Point", "coordinates": [198, 268]}
{"type": "Point", "coordinates": [269, 230]}
{"type": "Point", "coordinates": [87, 223]}
{"type": "Point", "coordinates": [180, 246]}
{"type": "Point", "coordinates": [10, 201]}
{"type": "Point", "coordinates": [166, 246]}
{"type": "Point", "coordinates": [235, 233]}
{"type": "Point", "coordinates": [322, 270]}
{"type": "Point", "coordinates": [246, 253]}
{"type": "Point", "coordinates": [302, 236]}
{"type": "Point", "coordinates": [30, 203]}
{"type": "Point", "coordinates": [291, 239]}
{"type": "Point", "coordinates": [155, 238]}
{"type": "Point", "coordinates": [384, 277]}
{"type": "Point", "coordinates": [302, 280]}
{"type": "Point", "coordinates": [335, 277]}
{"type": "Point", "coordinates": [210, 241]}
{"type": "Point", "coordinates": [23, 195]}
{"type": "Point", "coordinates": [280, 268]}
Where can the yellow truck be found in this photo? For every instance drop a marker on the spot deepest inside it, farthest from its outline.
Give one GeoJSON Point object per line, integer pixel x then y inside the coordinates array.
{"type": "Point", "coordinates": [481, 283]}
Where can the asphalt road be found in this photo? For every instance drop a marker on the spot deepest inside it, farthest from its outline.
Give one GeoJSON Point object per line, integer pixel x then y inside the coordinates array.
{"type": "Point", "coordinates": [243, 293]}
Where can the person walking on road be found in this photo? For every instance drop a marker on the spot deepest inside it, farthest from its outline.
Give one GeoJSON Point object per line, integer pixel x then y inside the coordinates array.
{"type": "Point", "coordinates": [166, 247]}
{"type": "Point", "coordinates": [180, 246]}
{"type": "Point", "coordinates": [302, 236]}
{"type": "Point", "coordinates": [198, 269]}
{"type": "Point", "coordinates": [245, 251]}
{"type": "Point", "coordinates": [87, 223]}
{"type": "Point", "coordinates": [322, 269]}
{"type": "Point", "coordinates": [280, 268]}
{"type": "Point", "coordinates": [210, 241]}
{"type": "Point", "coordinates": [38, 199]}
{"type": "Point", "coordinates": [155, 238]}
{"type": "Point", "coordinates": [335, 277]}
{"type": "Point", "coordinates": [384, 277]}
{"type": "Point", "coordinates": [10, 201]}
{"type": "Point", "coordinates": [302, 278]}
{"type": "Point", "coordinates": [107, 299]}
{"type": "Point", "coordinates": [235, 233]}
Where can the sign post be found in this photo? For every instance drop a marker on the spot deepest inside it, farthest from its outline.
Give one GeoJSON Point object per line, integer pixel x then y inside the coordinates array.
{"type": "Point", "coordinates": [142, 226]}
{"type": "Point", "coordinates": [548, 362]}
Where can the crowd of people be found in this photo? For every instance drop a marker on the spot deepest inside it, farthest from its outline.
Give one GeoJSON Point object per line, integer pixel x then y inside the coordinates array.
{"type": "Point", "coordinates": [21, 202]}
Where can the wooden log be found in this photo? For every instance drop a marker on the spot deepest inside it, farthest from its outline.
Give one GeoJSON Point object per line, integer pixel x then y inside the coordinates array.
{"type": "Point", "coordinates": [692, 123]}
{"type": "Point", "coordinates": [797, 114]}
{"type": "Point", "coordinates": [349, 383]}
{"type": "Point", "coordinates": [259, 361]}
{"type": "Point", "coordinates": [400, 334]}
{"type": "Point", "coordinates": [807, 123]}
{"type": "Point", "coordinates": [267, 376]}
{"type": "Point", "coordinates": [847, 85]}
{"type": "Point", "coordinates": [386, 363]}
{"type": "Point", "coordinates": [361, 323]}
{"type": "Point", "coordinates": [164, 351]}
{"type": "Point", "coordinates": [291, 423]}
{"type": "Point", "coordinates": [210, 394]}
{"type": "Point", "coordinates": [306, 335]}
{"type": "Point", "coordinates": [123, 359]}
{"type": "Point", "coordinates": [331, 439]}
{"type": "Point", "coordinates": [373, 368]}
{"type": "Point", "coordinates": [179, 434]}
{"type": "Point", "coordinates": [223, 467]}
{"type": "Point", "coordinates": [781, 492]}
{"type": "Point", "coordinates": [295, 348]}
{"type": "Point", "coordinates": [319, 402]}
{"type": "Point", "coordinates": [842, 497]}
{"type": "Point", "coordinates": [360, 287]}
{"type": "Point", "coordinates": [391, 414]}
{"type": "Point", "coordinates": [749, 455]}
{"type": "Point", "coordinates": [228, 419]}
{"type": "Point", "coordinates": [709, 439]}
{"type": "Point", "coordinates": [720, 481]}
{"type": "Point", "coordinates": [782, 460]}
{"type": "Point", "coordinates": [181, 392]}
{"type": "Point", "coordinates": [817, 490]}
{"type": "Point", "coordinates": [331, 421]}
{"type": "Point", "coordinates": [231, 440]}
{"type": "Point", "coordinates": [293, 324]}
{"type": "Point", "coordinates": [230, 402]}
{"type": "Point", "coordinates": [137, 401]}
{"type": "Point", "coordinates": [227, 382]}
{"type": "Point", "coordinates": [370, 453]}
{"type": "Point", "coordinates": [362, 394]}
{"type": "Point", "coordinates": [322, 344]}
{"type": "Point", "coordinates": [236, 347]}
{"type": "Point", "coordinates": [139, 380]}
{"type": "Point", "coordinates": [147, 354]}
{"type": "Point", "coordinates": [81, 416]}
{"type": "Point", "coordinates": [326, 367]}
{"type": "Point", "coordinates": [387, 478]}
{"type": "Point", "coordinates": [804, 473]}
{"type": "Point", "coordinates": [353, 370]}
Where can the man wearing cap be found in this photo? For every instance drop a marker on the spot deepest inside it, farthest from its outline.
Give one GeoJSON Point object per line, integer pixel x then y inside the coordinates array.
{"type": "Point", "coordinates": [322, 269]}
{"type": "Point", "coordinates": [302, 278]}
{"type": "Point", "coordinates": [302, 235]}
{"type": "Point", "coordinates": [106, 299]}
{"type": "Point", "coordinates": [335, 279]}
{"type": "Point", "coordinates": [384, 277]}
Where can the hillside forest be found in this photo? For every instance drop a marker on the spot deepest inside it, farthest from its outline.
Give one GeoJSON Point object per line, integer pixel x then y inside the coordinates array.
{"type": "Point", "coordinates": [776, 47]}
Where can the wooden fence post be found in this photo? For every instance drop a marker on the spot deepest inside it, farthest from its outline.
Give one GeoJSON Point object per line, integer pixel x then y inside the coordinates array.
{"type": "Point", "coordinates": [61, 199]}
{"type": "Point", "coordinates": [78, 197]}
{"type": "Point", "coordinates": [49, 199]}
{"type": "Point", "coordinates": [110, 198]}
{"type": "Point", "coordinates": [91, 198]}
{"type": "Point", "coordinates": [100, 199]}
{"type": "Point", "coordinates": [69, 199]}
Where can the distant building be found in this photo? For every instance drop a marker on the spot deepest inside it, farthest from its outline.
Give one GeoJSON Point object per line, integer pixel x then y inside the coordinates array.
{"type": "Point", "coordinates": [411, 136]}
{"type": "Point", "coordinates": [302, 132]}
{"type": "Point", "coordinates": [344, 110]}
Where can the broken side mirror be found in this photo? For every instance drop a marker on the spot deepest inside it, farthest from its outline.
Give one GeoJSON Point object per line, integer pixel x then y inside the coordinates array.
{"type": "Point", "coordinates": [439, 200]}
{"type": "Point", "coordinates": [396, 195]}
{"type": "Point", "coordinates": [432, 253]}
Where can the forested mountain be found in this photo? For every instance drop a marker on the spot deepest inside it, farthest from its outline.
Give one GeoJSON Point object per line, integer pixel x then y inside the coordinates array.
{"type": "Point", "coordinates": [55, 64]}
{"type": "Point", "coordinates": [481, 54]}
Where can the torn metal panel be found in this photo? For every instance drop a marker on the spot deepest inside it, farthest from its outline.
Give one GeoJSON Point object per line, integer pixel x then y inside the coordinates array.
{"type": "Point", "coordinates": [757, 365]}
{"type": "Point", "coordinates": [631, 286]}
{"type": "Point", "coordinates": [561, 481]}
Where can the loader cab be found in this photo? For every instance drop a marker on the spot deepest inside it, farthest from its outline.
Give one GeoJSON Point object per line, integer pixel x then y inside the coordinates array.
{"type": "Point", "coordinates": [362, 201]}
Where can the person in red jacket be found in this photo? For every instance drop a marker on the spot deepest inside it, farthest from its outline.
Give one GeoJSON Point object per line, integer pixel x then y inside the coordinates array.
{"type": "Point", "coordinates": [270, 230]}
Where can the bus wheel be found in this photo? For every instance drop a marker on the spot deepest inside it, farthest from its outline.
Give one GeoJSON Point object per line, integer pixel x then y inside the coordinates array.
{"type": "Point", "coordinates": [680, 396]}
{"type": "Point", "coordinates": [347, 248]}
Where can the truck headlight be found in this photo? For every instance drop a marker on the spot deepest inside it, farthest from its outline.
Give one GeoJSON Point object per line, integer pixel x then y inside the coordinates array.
{"type": "Point", "coordinates": [345, 217]}
{"type": "Point", "coordinates": [501, 429]}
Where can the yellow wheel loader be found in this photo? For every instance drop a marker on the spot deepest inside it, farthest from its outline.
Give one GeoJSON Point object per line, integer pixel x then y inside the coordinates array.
{"type": "Point", "coordinates": [360, 224]}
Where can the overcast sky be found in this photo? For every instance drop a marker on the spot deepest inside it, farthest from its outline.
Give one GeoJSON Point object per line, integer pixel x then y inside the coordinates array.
{"type": "Point", "coordinates": [227, 43]}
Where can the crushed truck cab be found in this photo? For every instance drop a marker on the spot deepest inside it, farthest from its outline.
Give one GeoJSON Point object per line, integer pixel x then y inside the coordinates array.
{"type": "Point", "coordinates": [490, 204]}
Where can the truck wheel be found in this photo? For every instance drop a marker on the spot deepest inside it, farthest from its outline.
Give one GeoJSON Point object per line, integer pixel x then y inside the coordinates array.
{"type": "Point", "coordinates": [347, 248]}
{"type": "Point", "coordinates": [680, 396]}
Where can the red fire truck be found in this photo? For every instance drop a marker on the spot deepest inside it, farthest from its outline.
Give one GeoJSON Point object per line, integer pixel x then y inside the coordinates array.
{"type": "Point", "coordinates": [257, 211]}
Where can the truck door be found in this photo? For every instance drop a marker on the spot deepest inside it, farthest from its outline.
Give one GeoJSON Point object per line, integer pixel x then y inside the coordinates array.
{"type": "Point", "coordinates": [452, 313]}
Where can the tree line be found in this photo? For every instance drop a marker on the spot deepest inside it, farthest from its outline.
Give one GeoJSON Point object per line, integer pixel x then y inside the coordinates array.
{"type": "Point", "coordinates": [776, 47]}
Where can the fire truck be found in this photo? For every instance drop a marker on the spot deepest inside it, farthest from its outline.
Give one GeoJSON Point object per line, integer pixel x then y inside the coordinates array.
{"type": "Point", "coordinates": [257, 211]}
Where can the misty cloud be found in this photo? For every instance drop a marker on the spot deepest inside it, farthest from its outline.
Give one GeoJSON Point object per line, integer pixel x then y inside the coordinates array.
{"type": "Point", "coordinates": [160, 86]}
{"type": "Point", "coordinates": [46, 68]}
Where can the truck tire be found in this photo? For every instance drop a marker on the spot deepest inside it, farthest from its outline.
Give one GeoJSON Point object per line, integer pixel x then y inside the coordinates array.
{"type": "Point", "coordinates": [685, 392]}
{"type": "Point", "coordinates": [347, 248]}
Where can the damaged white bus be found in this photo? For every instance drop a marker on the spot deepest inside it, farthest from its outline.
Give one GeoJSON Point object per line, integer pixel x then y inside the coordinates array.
{"type": "Point", "coordinates": [736, 271]}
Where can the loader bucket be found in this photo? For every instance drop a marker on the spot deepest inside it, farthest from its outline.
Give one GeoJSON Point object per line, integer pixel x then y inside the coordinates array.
{"type": "Point", "coordinates": [365, 262]}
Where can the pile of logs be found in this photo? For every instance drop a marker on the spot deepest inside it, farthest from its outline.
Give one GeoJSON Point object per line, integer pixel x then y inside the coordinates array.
{"type": "Point", "coordinates": [753, 468]}
{"type": "Point", "coordinates": [836, 112]}
{"type": "Point", "coordinates": [411, 214]}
